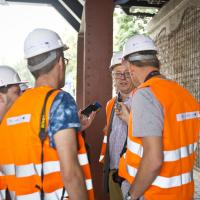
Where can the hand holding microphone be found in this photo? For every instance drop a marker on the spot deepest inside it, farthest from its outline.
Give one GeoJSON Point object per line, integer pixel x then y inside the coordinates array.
{"type": "Point", "coordinates": [121, 110]}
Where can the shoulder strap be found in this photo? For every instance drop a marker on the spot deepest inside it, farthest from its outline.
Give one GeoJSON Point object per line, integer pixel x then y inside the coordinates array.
{"type": "Point", "coordinates": [43, 133]}
{"type": "Point", "coordinates": [42, 136]}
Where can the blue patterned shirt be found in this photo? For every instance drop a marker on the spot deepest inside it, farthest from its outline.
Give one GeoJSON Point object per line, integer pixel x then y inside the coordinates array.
{"type": "Point", "coordinates": [63, 115]}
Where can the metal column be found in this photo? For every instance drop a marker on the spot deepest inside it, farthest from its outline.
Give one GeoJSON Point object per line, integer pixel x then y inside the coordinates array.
{"type": "Point", "coordinates": [80, 70]}
{"type": "Point", "coordinates": [97, 84]}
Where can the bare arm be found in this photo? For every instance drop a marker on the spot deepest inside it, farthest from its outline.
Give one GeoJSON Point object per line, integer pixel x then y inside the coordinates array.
{"type": "Point", "coordinates": [150, 166]}
{"type": "Point", "coordinates": [72, 175]}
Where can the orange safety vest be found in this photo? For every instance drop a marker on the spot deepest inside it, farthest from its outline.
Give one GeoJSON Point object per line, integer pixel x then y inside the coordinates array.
{"type": "Point", "coordinates": [20, 147]}
{"type": "Point", "coordinates": [180, 137]}
{"type": "Point", "coordinates": [109, 108]}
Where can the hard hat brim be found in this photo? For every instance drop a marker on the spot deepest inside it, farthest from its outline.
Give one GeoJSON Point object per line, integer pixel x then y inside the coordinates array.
{"type": "Point", "coordinates": [64, 47]}
{"type": "Point", "coordinates": [18, 83]}
{"type": "Point", "coordinates": [14, 83]}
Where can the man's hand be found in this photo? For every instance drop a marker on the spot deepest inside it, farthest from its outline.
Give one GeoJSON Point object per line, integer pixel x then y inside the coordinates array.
{"type": "Point", "coordinates": [122, 112]}
{"type": "Point", "coordinates": [86, 121]}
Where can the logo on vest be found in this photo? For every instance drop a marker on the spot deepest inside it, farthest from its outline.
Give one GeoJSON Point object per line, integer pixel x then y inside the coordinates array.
{"type": "Point", "coordinates": [187, 115]}
{"type": "Point", "coordinates": [19, 119]}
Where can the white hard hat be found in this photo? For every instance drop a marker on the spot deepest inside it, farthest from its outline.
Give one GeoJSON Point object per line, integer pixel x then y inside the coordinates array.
{"type": "Point", "coordinates": [40, 41]}
{"type": "Point", "coordinates": [8, 76]}
{"type": "Point", "coordinates": [116, 59]}
{"type": "Point", "coordinates": [138, 43]}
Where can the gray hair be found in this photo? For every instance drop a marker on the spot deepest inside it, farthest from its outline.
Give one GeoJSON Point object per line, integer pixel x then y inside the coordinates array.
{"type": "Point", "coordinates": [144, 58]}
{"type": "Point", "coordinates": [44, 63]}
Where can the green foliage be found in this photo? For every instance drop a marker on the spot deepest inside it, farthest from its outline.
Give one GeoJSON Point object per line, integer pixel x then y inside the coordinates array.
{"type": "Point", "coordinates": [71, 70]}
{"type": "Point", "coordinates": [126, 26]}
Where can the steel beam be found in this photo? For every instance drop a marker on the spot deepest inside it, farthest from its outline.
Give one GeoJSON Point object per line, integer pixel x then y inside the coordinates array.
{"type": "Point", "coordinates": [97, 83]}
{"type": "Point", "coordinates": [66, 14]}
{"type": "Point", "coordinates": [80, 70]}
{"type": "Point", "coordinates": [75, 6]}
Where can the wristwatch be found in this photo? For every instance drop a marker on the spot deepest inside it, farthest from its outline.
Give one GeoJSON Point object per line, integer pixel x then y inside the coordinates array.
{"type": "Point", "coordinates": [128, 197]}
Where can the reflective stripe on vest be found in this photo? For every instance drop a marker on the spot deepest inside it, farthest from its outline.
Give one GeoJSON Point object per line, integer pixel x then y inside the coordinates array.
{"type": "Point", "coordinates": [2, 194]}
{"type": "Point", "coordinates": [164, 182]}
{"type": "Point", "coordinates": [172, 155]}
{"type": "Point", "coordinates": [101, 158]}
{"type": "Point", "coordinates": [83, 159]}
{"type": "Point", "coordinates": [56, 195]}
{"type": "Point", "coordinates": [105, 139]}
{"type": "Point", "coordinates": [31, 169]}
{"type": "Point", "coordinates": [89, 184]}
{"type": "Point", "coordinates": [35, 169]}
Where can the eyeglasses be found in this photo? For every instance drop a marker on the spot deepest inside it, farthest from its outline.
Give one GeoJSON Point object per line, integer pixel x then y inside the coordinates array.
{"type": "Point", "coordinates": [66, 60]}
{"type": "Point", "coordinates": [119, 75]}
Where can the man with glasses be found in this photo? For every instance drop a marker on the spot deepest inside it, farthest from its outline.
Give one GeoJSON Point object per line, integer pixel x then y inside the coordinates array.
{"type": "Point", "coordinates": [44, 155]}
{"type": "Point", "coordinates": [116, 130]}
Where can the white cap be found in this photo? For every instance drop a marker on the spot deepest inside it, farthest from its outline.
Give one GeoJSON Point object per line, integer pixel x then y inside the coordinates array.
{"type": "Point", "coordinates": [8, 76]}
{"type": "Point", "coordinates": [138, 43]}
{"type": "Point", "coordinates": [40, 41]}
{"type": "Point", "coordinates": [116, 59]}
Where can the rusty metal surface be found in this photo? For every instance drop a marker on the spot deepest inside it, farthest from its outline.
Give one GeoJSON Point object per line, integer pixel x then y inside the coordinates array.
{"type": "Point", "coordinates": [97, 84]}
{"type": "Point", "coordinates": [80, 70]}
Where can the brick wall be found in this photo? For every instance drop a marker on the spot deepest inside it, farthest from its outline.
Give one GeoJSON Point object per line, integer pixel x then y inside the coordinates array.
{"type": "Point", "coordinates": [179, 51]}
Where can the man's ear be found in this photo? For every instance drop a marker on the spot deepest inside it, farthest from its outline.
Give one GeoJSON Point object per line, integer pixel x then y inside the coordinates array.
{"type": "Point", "coordinates": [61, 60]}
{"type": "Point", "coordinates": [58, 64]}
{"type": "Point", "coordinates": [2, 98]}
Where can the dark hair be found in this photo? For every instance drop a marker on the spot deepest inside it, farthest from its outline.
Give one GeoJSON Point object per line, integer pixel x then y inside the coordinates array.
{"type": "Point", "coordinates": [40, 58]}
{"type": "Point", "coordinates": [154, 62]}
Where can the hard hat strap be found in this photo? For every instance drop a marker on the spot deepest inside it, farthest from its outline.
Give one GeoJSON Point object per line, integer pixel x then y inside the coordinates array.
{"type": "Point", "coordinates": [50, 58]}
{"type": "Point", "coordinates": [138, 57]}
